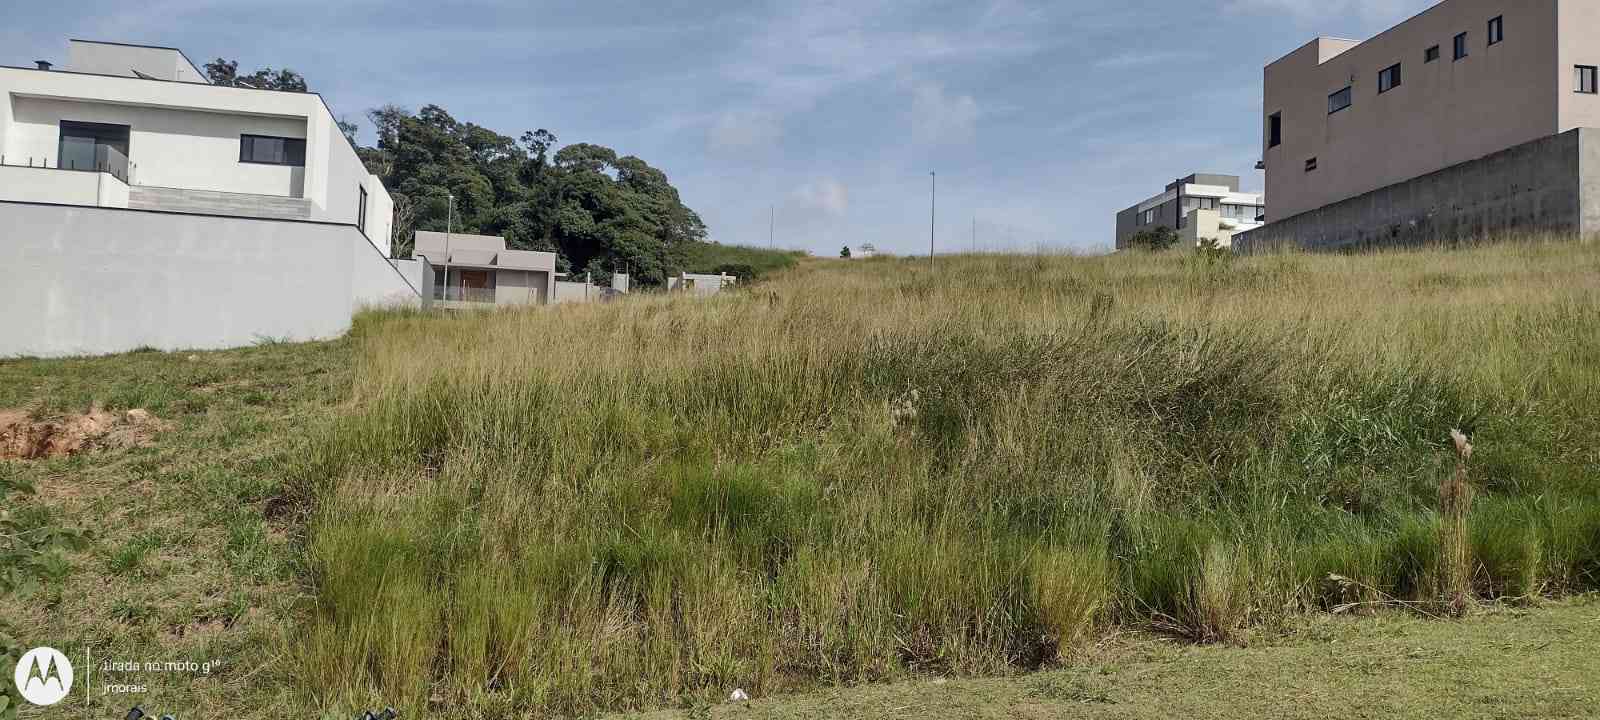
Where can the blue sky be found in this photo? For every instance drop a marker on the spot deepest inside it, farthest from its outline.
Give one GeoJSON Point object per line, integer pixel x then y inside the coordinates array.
{"type": "Point", "coordinates": [1041, 118]}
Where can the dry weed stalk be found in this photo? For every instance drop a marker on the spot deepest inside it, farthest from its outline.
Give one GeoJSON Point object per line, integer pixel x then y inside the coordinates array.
{"type": "Point", "coordinates": [1455, 554]}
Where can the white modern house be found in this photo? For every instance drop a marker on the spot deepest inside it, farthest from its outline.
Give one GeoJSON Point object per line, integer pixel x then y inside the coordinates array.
{"type": "Point", "coordinates": [1200, 206]}
{"type": "Point", "coordinates": [142, 206]}
{"type": "Point", "coordinates": [701, 283]}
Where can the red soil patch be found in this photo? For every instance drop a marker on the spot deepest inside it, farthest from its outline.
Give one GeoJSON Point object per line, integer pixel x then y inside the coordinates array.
{"type": "Point", "coordinates": [22, 438]}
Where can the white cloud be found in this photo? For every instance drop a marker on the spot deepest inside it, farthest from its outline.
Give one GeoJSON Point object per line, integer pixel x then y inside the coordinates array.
{"type": "Point", "coordinates": [1142, 59]}
{"type": "Point", "coordinates": [1315, 10]}
{"type": "Point", "coordinates": [744, 130]}
{"type": "Point", "coordinates": [937, 115]}
{"type": "Point", "coordinates": [825, 197]}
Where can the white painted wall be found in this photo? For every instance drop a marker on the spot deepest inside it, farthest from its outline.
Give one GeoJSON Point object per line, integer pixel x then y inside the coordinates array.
{"type": "Point", "coordinates": [380, 283]}
{"type": "Point", "coordinates": [53, 186]}
{"type": "Point", "coordinates": [114, 59]}
{"type": "Point", "coordinates": [169, 148]}
{"type": "Point", "coordinates": [84, 280]}
{"type": "Point", "coordinates": [113, 192]}
{"type": "Point", "coordinates": [186, 135]}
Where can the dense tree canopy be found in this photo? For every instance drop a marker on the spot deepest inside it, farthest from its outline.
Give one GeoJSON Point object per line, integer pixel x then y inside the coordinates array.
{"type": "Point", "coordinates": [226, 72]}
{"type": "Point", "coordinates": [598, 211]}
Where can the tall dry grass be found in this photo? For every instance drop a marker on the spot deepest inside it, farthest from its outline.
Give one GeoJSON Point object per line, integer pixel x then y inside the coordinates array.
{"type": "Point", "coordinates": [863, 470]}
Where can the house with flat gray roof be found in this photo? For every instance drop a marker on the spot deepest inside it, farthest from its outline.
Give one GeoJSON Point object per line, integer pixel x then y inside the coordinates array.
{"type": "Point", "coordinates": [478, 270]}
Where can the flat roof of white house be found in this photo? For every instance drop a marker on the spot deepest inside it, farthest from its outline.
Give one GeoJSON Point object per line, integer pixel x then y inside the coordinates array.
{"type": "Point", "coordinates": [479, 251]}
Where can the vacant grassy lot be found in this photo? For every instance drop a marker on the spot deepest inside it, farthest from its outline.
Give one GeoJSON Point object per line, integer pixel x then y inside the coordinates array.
{"type": "Point", "coordinates": [866, 472]}
{"type": "Point", "coordinates": [855, 473]}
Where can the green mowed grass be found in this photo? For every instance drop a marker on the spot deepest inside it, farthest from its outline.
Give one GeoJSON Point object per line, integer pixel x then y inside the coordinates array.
{"type": "Point", "coordinates": [1503, 663]}
{"type": "Point", "coordinates": [189, 557]}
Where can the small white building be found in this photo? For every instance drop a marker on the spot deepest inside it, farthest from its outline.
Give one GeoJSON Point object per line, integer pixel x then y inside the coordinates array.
{"type": "Point", "coordinates": [701, 284]}
{"type": "Point", "coordinates": [142, 206]}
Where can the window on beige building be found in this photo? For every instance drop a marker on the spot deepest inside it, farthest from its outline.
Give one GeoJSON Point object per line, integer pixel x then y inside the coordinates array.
{"type": "Point", "coordinates": [1584, 79]}
{"type": "Point", "coordinates": [1275, 130]}
{"type": "Point", "coordinates": [1461, 46]}
{"type": "Point", "coordinates": [1389, 78]}
{"type": "Point", "coordinates": [1339, 101]}
{"type": "Point", "coordinates": [1497, 30]}
{"type": "Point", "coordinates": [1431, 54]}
{"type": "Point", "coordinates": [1311, 164]}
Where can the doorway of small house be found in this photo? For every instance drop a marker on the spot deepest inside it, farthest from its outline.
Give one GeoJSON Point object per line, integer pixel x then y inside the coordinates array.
{"type": "Point", "coordinates": [476, 285]}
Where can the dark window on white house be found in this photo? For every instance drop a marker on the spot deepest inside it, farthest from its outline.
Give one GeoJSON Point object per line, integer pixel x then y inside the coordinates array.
{"type": "Point", "coordinates": [1311, 164]}
{"type": "Point", "coordinates": [269, 150]}
{"type": "Point", "coordinates": [1497, 30]}
{"type": "Point", "coordinates": [361, 212]}
{"type": "Point", "coordinates": [1431, 54]}
{"type": "Point", "coordinates": [92, 146]}
{"type": "Point", "coordinates": [1584, 79]}
{"type": "Point", "coordinates": [1389, 78]}
{"type": "Point", "coordinates": [1461, 46]}
{"type": "Point", "coordinates": [1338, 101]}
{"type": "Point", "coordinates": [1275, 130]}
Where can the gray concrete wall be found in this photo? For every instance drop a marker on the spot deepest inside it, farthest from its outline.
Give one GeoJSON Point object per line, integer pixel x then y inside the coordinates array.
{"type": "Point", "coordinates": [84, 280]}
{"type": "Point", "coordinates": [567, 292]}
{"type": "Point", "coordinates": [210, 202]}
{"type": "Point", "coordinates": [1550, 184]}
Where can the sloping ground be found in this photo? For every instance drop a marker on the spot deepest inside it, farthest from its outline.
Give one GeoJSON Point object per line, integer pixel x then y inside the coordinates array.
{"type": "Point", "coordinates": [864, 472]}
{"type": "Point", "coordinates": [1506, 663]}
{"type": "Point", "coordinates": [189, 559]}
{"type": "Point", "coordinates": [690, 498]}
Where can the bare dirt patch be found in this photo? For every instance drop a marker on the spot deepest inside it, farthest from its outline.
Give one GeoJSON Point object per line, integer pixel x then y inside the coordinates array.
{"type": "Point", "coordinates": [23, 438]}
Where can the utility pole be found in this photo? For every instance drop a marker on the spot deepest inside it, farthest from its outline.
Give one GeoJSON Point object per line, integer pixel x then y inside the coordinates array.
{"type": "Point", "coordinates": [449, 225]}
{"type": "Point", "coordinates": [933, 208]}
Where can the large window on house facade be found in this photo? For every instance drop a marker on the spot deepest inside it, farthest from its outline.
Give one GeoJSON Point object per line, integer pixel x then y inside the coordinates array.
{"type": "Point", "coordinates": [268, 150]}
{"type": "Point", "coordinates": [1275, 130]}
{"type": "Point", "coordinates": [1338, 101]}
{"type": "Point", "coordinates": [1585, 78]}
{"type": "Point", "coordinates": [1389, 78]}
{"type": "Point", "coordinates": [1497, 30]}
{"type": "Point", "coordinates": [92, 146]}
{"type": "Point", "coordinates": [1461, 46]}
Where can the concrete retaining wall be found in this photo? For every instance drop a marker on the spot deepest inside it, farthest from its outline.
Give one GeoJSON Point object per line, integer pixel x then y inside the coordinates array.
{"type": "Point", "coordinates": [1550, 184]}
{"type": "Point", "coordinates": [84, 280]}
{"type": "Point", "coordinates": [567, 292]}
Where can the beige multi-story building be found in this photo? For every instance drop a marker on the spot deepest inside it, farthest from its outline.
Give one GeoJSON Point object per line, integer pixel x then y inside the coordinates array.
{"type": "Point", "coordinates": [1463, 80]}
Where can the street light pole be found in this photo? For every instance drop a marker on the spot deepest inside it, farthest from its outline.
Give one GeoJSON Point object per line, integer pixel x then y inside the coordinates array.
{"type": "Point", "coordinates": [449, 225]}
{"type": "Point", "coordinates": [933, 208]}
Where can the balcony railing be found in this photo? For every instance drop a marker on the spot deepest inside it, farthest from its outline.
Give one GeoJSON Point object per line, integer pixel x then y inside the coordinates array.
{"type": "Point", "coordinates": [105, 159]}
{"type": "Point", "coordinates": [464, 294]}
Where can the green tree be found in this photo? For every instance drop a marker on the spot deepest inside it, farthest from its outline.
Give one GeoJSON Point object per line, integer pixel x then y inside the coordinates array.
{"type": "Point", "coordinates": [1160, 237]}
{"type": "Point", "coordinates": [599, 211]}
{"type": "Point", "coordinates": [844, 252]}
{"type": "Point", "coordinates": [226, 72]}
